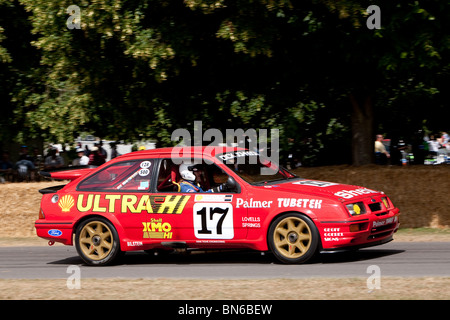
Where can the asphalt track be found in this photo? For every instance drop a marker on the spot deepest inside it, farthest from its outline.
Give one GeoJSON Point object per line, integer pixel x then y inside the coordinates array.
{"type": "Point", "coordinates": [396, 259]}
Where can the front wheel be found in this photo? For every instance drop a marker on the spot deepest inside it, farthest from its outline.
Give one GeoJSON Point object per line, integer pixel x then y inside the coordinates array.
{"type": "Point", "coordinates": [97, 241]}
{"type": "Point", "coordinates": [293, 238]}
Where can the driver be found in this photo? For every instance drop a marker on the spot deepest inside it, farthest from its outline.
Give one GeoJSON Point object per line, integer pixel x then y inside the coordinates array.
{"type": "Point", "coordinates": [191, 177]}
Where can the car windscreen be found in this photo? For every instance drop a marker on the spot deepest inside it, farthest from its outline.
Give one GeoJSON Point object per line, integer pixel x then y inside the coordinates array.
{"type": "Point", "coordinates": [254, 168]}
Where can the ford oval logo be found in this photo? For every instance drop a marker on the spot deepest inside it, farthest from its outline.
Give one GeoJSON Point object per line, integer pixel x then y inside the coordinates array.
{"type": "Point", "coordinates": [55, 232]}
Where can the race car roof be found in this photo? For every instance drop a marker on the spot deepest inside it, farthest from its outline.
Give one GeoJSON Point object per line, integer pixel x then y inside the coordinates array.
{"type": "Point", "coordinates": [183, 151]}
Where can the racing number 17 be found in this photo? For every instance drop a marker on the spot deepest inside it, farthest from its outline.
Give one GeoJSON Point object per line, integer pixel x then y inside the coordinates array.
{"type": "Point", "coordinates": [213, 221]}
{"type": "Point", "coordinates": [202, 213]}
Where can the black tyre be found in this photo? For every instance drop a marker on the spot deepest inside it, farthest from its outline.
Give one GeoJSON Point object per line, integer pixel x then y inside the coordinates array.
{"type": "Point", "coordinates": [293, 238]}
{"type": "Point", "coordinates": [97, 242]}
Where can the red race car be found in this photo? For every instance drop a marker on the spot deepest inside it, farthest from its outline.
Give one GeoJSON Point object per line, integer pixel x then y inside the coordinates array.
{"type": "Point", "coordinates": [208, 198]}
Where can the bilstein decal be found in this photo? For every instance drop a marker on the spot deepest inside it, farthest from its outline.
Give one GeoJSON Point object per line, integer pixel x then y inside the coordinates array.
{"type": "Point", "coordinates": [126, 203]}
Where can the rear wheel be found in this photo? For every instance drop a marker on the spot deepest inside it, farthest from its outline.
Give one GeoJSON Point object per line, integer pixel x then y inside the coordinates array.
{"type": "Point", "coordinates": [293, 238]}
{"type": "Point", "coordinates": [97, 241]}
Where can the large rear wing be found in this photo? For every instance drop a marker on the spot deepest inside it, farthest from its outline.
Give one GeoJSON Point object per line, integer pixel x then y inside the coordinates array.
{"type": "Point", "coordinates": [68, 173]}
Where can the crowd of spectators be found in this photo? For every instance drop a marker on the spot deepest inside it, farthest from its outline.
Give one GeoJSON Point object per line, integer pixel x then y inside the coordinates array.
{"type": "Point", "coordinates": [422, 149]}
{"type": "Point", "coordinates": [429, 149]}
{"type": "Point", "coordinates": [28, 163]}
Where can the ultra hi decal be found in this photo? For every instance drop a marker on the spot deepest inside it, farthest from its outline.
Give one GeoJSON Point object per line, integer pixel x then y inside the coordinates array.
{"type": "Point", "coordinates": [130, 203]}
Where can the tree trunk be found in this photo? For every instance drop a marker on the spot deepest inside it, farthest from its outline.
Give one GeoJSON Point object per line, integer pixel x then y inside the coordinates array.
{"type": "Point", "coordinates": [362, 129]}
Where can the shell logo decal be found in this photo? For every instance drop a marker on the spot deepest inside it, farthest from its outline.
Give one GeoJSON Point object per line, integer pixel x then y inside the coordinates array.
{"type": "Point", "coordinates": [66, 203]}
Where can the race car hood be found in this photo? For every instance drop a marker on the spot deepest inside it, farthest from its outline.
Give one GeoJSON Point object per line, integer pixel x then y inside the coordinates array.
{"type": "Point", "coordinates": [333, 190]}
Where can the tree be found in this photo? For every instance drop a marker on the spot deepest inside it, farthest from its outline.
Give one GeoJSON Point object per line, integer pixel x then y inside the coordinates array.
{"type": "Point", "coordinates": [341, 57]}
{"type": "Point", "coordinates": [312, 69]}
{"type": "Point", "coordinates": [18, 60]}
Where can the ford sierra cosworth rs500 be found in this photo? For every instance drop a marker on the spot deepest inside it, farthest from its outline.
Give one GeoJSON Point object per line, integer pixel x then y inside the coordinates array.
{"type": "Point", "coordinates": [208, 198]}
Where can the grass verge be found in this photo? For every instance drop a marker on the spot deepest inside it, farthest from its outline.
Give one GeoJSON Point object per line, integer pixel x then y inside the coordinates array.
{"type": "Point", "coordinates": [430, 288]}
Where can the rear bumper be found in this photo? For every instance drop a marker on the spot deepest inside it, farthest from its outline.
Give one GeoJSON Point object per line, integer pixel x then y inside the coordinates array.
{"type": "Point", "coordinates": [54, 231]}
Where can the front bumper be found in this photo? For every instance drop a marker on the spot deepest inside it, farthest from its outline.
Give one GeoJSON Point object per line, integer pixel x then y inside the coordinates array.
{"type": "Point", "coordinates": [358, 233]}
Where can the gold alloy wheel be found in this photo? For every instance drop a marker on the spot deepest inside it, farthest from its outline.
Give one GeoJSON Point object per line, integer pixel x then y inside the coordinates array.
{"type": "Point", "coordinates": [96, 240]}
{"type": "Point", "coordinates": [292, 237]}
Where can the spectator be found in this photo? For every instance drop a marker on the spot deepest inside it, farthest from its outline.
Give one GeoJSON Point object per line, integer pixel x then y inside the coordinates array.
{"type": "Point", "coordinates": [25, 170]}
{"type": "Point", "coordinates": [38, 159]}
{"type": "Point", "coordinates": [96, 158]}
{"type": "Point", "coordinates": [87, 152]}
{"type": "Point", "coordinates": [101, 150]}
{"type": "Point", "coordinates": [114, 152]}
{"type": "Point", "coordinates": [433, 146]}
{"type": "Point", "coordinates": [23, 154]}
{"type": "Point", "coordinates": [444, 139]}
{"type": "Point", "coordinates": [381, 155]}
{"type": "Point", "coordinates": [6, 168]}
{"type": "Point", "coordinates": [53, 160]}
{"type": "Point", "coordinates": [81, 159]}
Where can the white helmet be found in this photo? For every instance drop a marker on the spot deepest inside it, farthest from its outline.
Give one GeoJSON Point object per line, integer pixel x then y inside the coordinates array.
{"type": "Point", "coordinates": [186, 171]}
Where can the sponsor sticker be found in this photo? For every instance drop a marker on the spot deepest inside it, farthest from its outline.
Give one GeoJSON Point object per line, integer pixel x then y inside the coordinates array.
{"type": "Point", "coordinates": [54, 233]}
{"type": "Point", "coordinates": [134, 243]}
{"type": "Point", "coordinates": [314, 183]}
{"type": "Point", "coordinates": [252, 203]}
{"type": "Point", "coordinates": [66, 203]}
{"type": "Point", "coordinates": [332, 234]}
{"type": "Point", "coordinates": [144, 172]}
{"type": "Point", "coordinates": [251, 222]}
{"type": "Point", "coordinates": [213, 220]}
{"type": "Point", "coordinates": [145, 164]}
{"type": "Point", "coordinates": [384, 222]}
{"type": "Point", "coordinates": [157, 229]}
{"type": "Point", "coordinates": [299, 203]}
{"type": "Point", "coordinates": [213, 198]}
{"type": "Point", "coordinates": [348, 194]}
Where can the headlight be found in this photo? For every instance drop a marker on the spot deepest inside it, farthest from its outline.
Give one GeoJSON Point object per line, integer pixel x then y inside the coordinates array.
{"type": "Point", "coordinates": [385, 202]}
{"type": "Point", "coordinates": [355, 209]}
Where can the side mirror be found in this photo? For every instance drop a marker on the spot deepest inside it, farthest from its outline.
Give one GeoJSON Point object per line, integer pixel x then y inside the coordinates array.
{"type": "Point", "coordinates": [231, 183]}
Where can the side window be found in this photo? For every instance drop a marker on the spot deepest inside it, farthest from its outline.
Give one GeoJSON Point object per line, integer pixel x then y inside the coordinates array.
{"type": "Point", "coordinates": [125, 176]}
{"type": "Point", "coordinates": [217, 175]}
{"type": "Point", "coordinates": [169, 178]}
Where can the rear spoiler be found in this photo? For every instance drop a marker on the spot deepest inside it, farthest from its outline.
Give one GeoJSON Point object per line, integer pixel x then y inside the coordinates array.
{"type": "Point", "coordinates": [68, 173]}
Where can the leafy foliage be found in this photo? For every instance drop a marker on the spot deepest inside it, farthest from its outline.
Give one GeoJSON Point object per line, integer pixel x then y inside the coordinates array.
{"type": "Point", "coordinates": [140, 69]}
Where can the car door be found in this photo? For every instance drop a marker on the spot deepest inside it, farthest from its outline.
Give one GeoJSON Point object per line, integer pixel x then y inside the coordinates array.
{"type": "Point", "coordinates": [199, 216]}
